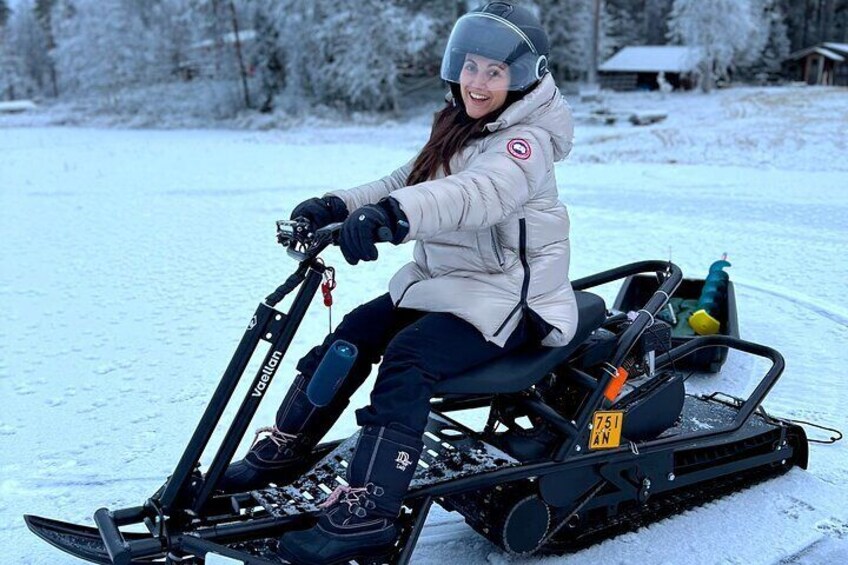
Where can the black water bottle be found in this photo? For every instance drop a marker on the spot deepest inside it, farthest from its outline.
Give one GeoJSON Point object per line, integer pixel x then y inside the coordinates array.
{"type": "Point", "coordinates": [331, 372]}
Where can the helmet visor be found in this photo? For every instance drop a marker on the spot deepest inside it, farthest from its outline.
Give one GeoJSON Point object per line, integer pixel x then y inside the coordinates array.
{"type": "Point", "coordinates": [493, 38]}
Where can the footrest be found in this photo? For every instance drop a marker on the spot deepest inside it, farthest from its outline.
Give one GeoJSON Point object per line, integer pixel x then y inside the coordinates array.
{"type": "Point", "coordinates": [451, 451]}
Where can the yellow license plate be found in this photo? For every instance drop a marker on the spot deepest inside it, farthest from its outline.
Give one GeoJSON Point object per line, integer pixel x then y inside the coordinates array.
{"type": "Point", "coordinates": [606, 429]}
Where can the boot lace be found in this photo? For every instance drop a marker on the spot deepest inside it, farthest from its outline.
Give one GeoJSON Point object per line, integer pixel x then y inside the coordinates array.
{"type": "Point", "coordinates": [278, 438]}
{"type": "Point", "coordinates": [353, 496]}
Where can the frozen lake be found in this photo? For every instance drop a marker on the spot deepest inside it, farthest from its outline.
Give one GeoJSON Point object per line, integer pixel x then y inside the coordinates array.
{"type": "Point", "coordinates": [133, 259]}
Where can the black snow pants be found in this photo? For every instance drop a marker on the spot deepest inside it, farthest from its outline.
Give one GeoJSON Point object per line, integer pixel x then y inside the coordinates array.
{"type": "Point", "coordinates": [418, 349]}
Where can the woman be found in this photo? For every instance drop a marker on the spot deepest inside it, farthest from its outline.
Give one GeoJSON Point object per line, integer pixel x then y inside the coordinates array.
{"type": "Point", "coordinates": [490, 273]}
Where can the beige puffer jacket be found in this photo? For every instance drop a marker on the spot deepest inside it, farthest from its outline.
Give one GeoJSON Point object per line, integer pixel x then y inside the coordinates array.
{"type": "Point", "coordinates": [492, 238]}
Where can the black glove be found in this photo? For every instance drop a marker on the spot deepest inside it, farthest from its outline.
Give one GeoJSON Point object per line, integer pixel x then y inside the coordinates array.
{"type": "Point", "coordinates": [384, 221]}
{"type": "Point", "coordinates": [320, 212]}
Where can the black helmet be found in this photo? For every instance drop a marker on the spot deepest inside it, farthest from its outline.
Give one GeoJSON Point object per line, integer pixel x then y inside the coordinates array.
{"type": "Point", "coordinates": [503, 32]}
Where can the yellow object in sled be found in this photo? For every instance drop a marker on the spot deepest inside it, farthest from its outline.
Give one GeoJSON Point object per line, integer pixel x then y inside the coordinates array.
{"type": "Point", "coordinates": [703, 323]}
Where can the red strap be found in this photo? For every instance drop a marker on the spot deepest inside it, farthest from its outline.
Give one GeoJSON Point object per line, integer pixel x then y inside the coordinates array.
{"type": "Point", "coordinates": [328, 286]}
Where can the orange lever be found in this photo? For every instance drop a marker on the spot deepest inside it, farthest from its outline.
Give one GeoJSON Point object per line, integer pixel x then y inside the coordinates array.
{"type": "Point", "coordinates": [614, 387]}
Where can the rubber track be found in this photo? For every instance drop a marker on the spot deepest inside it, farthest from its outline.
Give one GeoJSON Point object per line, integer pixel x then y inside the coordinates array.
{"type": "Point", "coordinates": [657, 508]}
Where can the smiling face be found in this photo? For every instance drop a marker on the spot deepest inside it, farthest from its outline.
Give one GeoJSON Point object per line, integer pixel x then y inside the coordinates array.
{"type": "Point", "coordinates": [484, 84]}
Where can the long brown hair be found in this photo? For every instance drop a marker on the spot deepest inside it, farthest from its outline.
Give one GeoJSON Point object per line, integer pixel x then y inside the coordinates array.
{"type": "Point", "coordinates": [452, 130]}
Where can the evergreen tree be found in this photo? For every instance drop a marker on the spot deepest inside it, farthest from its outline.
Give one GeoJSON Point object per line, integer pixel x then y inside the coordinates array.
{"type": "Point", "coordinates": [427, 32]}
{"type": "Point", "coordinates": [25, 41]}
{"type": "Point", "coordinates": [777, 47]}
{"type": "Point", "coordinates": [5, 12]}
{"type": "Point", "coordinates": [769, 47]}
{"type": "Point", "coordinates": [267, 57]}
{"type": "Point", "coordinates": [627, 23]}
{"type": "Point", "coordinates": [346, 55]}
{"type": "Point", "coordinates": [360, 74]}
{"type": "Point", "coordinates": [657, 15]}
{"type": "Point", "coordinates": [569, 26]}
{"type": "Point", "coordinates": [44, 14]}
{"type": "Point", "coordinates": [16, 81]}
{"type": "Point", "coordinates": [840, 22]}
{"type": "Point", "coordinates": [810, 22]}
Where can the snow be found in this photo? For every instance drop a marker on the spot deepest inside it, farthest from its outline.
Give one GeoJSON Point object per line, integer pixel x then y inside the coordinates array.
{"type": "Point", "coordinates": [652, 59]}
{"type": "Point", "coordinates": [15, 106]}
{"type": "Point", "coordinates": [830, 54]}
{"type": "Point", "coordinates": [837, 46]}
{"type": "Point", "coordinates": [228, 38]}
{"type": "Point", "coordinates": [134, 259]}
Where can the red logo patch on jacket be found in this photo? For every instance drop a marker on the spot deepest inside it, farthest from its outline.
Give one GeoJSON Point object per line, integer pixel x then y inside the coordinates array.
{"type": "Point", "coordinates": [518, 148]}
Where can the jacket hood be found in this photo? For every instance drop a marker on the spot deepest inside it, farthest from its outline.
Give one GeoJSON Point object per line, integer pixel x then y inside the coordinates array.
{"type": "Point", "coordinates": [545, 108]}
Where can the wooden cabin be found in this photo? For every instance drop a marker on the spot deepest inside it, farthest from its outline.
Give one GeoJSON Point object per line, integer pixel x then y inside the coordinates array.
{"type": "Point", "coordinates": [824, 64]}
{"type": "Point", "coordinates": [639, 67]}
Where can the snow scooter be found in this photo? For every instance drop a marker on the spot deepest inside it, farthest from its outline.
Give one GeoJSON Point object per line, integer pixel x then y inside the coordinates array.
{"type": "Point", "coordinates": [580, 443]}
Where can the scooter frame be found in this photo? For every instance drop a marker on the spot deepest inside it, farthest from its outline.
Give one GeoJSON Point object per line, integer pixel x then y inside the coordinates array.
{"type": "Point", "coordinates": [186, 520]}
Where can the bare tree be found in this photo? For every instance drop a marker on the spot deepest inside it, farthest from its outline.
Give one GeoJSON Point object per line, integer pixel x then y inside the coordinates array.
{"type": "Point", "coordinates": [592, 76]}
{"type": "Point", "coordinates": [242, 68]}
{"type": "Point", "coordinates": [44, 14]}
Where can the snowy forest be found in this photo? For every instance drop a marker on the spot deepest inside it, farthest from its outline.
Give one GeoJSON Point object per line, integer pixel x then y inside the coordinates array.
{"type": "Point", "coordinates": [225, 57]}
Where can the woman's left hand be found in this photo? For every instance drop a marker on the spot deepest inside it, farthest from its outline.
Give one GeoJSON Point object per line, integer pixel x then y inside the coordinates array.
{"type": "Point", "coordinates": [369, 224]}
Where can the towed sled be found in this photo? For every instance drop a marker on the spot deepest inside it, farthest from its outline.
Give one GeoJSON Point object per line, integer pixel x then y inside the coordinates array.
{"type": "Point", "coordinates": [580, 443]}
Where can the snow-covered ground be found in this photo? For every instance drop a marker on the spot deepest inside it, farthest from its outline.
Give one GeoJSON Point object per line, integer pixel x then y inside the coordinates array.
{"type": "Point", "coordinates": [132, 260]}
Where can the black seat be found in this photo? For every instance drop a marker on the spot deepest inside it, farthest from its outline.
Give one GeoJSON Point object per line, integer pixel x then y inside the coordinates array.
{"type": "Point", "coordinates": [523, 368]}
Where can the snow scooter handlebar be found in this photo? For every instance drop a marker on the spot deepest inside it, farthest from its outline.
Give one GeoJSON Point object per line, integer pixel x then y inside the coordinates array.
{"type": "Point", "coordinates": [303, 244]}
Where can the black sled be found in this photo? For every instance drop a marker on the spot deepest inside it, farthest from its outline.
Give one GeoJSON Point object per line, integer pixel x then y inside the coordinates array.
{"type": "Point", "coordinates": [581, 442]}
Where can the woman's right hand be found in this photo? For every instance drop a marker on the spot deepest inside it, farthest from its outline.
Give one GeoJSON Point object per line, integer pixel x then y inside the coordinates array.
{"type": "Point", "coordinates": [320, 212]}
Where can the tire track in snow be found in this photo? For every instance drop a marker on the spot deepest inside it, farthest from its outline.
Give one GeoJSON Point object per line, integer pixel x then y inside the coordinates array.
{"type": "Point", "coordinates": [49, 484]}
{"type": "Point", "coordinates": [831, 547]}
{"type": "Point", "coordinates": [829, 311]}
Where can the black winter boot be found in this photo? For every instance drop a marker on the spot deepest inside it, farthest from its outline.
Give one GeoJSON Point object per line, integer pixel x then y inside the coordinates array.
{"type": "Point", "coordinates": [358, 520]}
{"type": "Point", "coordinates": [278, 457]}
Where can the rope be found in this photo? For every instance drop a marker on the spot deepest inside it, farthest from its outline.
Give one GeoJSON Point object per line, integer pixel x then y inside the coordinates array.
{"type": "Point", "coordinates": [832, 440]}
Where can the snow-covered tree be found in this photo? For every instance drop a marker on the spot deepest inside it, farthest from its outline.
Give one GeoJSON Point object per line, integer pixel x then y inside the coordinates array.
{"type": "Point", "coordinates": [18, 56]}
{"type": "Point", "coordinates": [10, 72]}
{"type": "Point", "coordinates": [627, 26]}
{"type": "Point", "coordinates": [267, 56]}
{"type": "Point", "coordinates": [344, 54]}
{"type": "Point", "coordinates": [43, 10]}
{"type": "Point", "coordinates": [720, 29]}
{"type": "Point", "coordinates": [175, 31]}
{"type": "Point", "coordinates": [777, 46]}
{"type": "Point", "coordinates": [344, 67]}
{"type": "Point", "coordinates": [211, 23]}
{"type": "Point", "coordinates": [102, 45]}
{"type": "Point", "coordinates": [656, 16]}
{"type": "Point", "coordinates": [26, 66]}
{"type": "Point", "coordinates": [769, 46]}
{"type": "Point", "coordinates": [813, 21]}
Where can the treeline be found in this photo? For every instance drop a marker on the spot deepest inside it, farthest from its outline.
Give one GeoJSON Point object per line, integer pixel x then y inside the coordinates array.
{"type": "Point", "coordinates": [362, 54]}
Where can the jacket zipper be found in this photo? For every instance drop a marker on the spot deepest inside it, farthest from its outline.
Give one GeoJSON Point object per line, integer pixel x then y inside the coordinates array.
{"type": "Point", "coordinates": [508, 318]}
{"type": "Point", "coordinates": [525, 285]}
{"type": "Point", "coordinates": [522, 251]}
